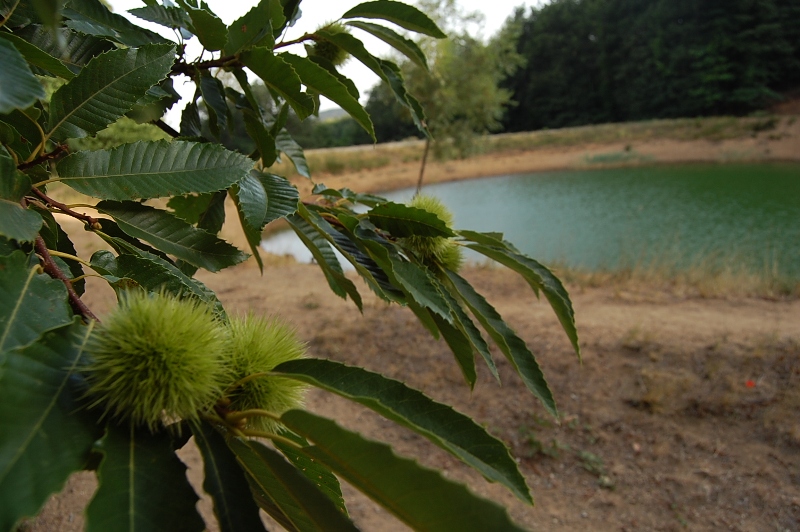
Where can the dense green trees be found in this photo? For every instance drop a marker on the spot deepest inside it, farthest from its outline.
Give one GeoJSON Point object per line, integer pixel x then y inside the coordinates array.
{"type": "Point", "coordinates": [592, 61]}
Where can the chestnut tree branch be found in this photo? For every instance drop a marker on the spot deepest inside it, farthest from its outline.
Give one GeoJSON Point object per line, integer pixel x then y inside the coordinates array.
{"type": "Point", "coordinates": [64, 209]}
{"type": "Point", "coordinates": [51, 269]}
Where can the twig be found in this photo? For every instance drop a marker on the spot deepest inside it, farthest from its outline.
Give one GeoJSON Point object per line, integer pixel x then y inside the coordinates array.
{"type": "Point", "coordinates": [422, 166]}
{"type": "Point", "coordinates": [55, 154]}
{"type": "Point", "coordinates": [93, 222]}
{"type": "Point", "coordinates": [304, 38]}
{"type": "Point", "coordinates": [166, 128]}
{"type": "Point", "coordinates": [55, 272]}
{"type": "Point", "coordinates": [192, 68]}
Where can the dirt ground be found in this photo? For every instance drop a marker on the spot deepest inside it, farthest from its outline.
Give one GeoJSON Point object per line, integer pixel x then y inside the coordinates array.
{"type": "Point", "coordinates": [683, 414]}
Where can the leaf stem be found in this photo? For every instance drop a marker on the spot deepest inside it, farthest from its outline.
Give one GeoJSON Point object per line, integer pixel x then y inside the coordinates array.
{"type": "Point", "coordinates": [304, 38]}
{"type": "Point", "coordinates": [270, 436]}
{"type": "Point", "coordinates": [93, 222]}
{"type": "Point", "coordinates": [55, 253]}
{"type": "Point", "coordinates": [253, 412]}
{"type": "Point", "coordinates": [51, 269]}
{"type": "Point", "coordinates": [245, 380]}
{"type": "Point", "coordinates": [3, 22]}
{"type": "Point", "coordinates": [166, 128]}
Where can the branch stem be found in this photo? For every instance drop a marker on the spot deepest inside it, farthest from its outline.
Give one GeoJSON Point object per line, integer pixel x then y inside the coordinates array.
{"type": "Point", "coordinates": [270, 436]}
{"type": "Point", "coordinates": [55, 272]}
{"type": "Point", "coordinates": [65, 208]}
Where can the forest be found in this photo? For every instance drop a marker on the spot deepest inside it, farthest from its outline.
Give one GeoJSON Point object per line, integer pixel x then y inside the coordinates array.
{"type": "Point", "coordinates": [578, 62]}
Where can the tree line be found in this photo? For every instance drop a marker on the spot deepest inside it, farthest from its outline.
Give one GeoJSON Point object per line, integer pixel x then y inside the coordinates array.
{"type": "Point", "coordinates": [577, 62]}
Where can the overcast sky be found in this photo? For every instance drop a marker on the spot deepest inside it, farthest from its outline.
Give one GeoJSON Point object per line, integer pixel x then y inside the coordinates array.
{"type": "Point", "coordinates": [318, 12]}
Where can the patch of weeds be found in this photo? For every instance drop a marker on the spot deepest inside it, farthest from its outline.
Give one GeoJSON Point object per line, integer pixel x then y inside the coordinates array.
{"type": "Point", "coordinates": [536, 447]}
{"type": "Point", "coordinates": [766, 124]}
{"type": "Point", "coordinates": [592, 463]}
{"type": "Point", "coordinates": [682, 520]}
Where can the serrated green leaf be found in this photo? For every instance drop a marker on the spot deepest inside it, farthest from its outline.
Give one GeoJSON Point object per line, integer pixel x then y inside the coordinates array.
{"type": "Point", "coordinates": [539, 278]}
{"type": "Point", "coordinates": [37, 57]}
{"type": "Point", "coordinates": [512, 346]}
{"type": "Point", "coordinates": [190, 121]}
{"type": "Point", "coordinates": [459, 344]}
{"type": "Point", "coordinates": [93, 18]}
{"type": "Point", "coordinates": [190, 207]}
{"type": "Point", "coordinates": [419, 497]}
{"type": "Point", "coordinates": [167, 16]}
{"type": "Point", "coordinates": [403, 15]}
{"type": "Point", "coordinates": [142, 485]}
{"type": "Point", "coordinates": [402, 221]}
{"type": "Point", "coordinates": [107, 88]}
{"type": "Point", "coordinates": [280, 77]}
{"type": "Point", "coordinates": [413, 280]}
{"type": "Point", "coordinates": [156, 101]}
{"type": "Point", "coordinates": [320, 80]}
{"type": "Point", "coordinates": [282, 196]}
{"type": "Point", "coordinates": [331, 68]}
{"type": "Point", "coordinates": [19, 88]}
{"type": "Point", "coordinates": [13, 184]}
{"type": "Point", "coordinates": [252, 200]}
{"type": "Point", "coordinates": [326, 259]}
{"type": "Point", "coordinates": [153, 169]}
{"type": "Point", "coordinates": [386, 70]}
{"type": "Point", "coordinates": [44, 434]}
{"type": "Point", "coordinates": [49, 11]}
{"type": "Point", "coordinates": [71, 48]}
{"type": "Point", "coordinates": [366, 267]}
{"type": "Point", "coordinates": [467, 327]}
{"type": "Point", "coordinates": [226, 483]}
{"type": "Point", "coordinates": [285, 143]}
{"type": "Point", "coordinates": [255, 28]}
{"type": "Point", "coordinates": [405, 46]}
{"type": "Point", "coordinates": [17, 222]}
{"type": "Point", "coordinates": [30, 303]}
{"type": "Point", "coordinates": [122, 242]}
{"type": "Point", "coordinates": [298, 500]}
{"type": "Point", "coordinates": [214, 97]}
{"type": "Point", "coordinates": [447, 428]}
{"type": "Point", "coordinates": [317, 473]}
{"type": "Point", "coordinates": [265, 142]}
{"type": "Point", "coordinates": [29, 133]}
{"type": "Point", "coordinates": [210, 30]}
{"type": "Point", "coordinates": [172, 235]}
{"type": "Point", "coordinates": [151, 273]}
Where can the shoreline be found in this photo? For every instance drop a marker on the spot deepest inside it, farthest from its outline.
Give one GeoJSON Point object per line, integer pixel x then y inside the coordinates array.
{"type": "Point", "coordinates": [781, 144]}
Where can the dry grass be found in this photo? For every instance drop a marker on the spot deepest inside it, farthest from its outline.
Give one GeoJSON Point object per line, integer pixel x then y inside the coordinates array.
{"type": "Point", "coordinates": [356, 158]}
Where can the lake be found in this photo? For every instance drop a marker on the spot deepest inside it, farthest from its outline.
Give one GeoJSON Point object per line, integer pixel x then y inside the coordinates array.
{"type": "Point", "coordinates": [739, 216]}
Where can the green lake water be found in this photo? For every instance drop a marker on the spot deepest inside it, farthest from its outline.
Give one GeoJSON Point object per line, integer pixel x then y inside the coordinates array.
{"type": "Point", "coordinates": [743, 216]}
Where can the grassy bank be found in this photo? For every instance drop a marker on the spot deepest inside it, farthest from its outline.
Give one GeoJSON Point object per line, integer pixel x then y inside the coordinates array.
{"type": "Point", "coordinates": [336, 161]}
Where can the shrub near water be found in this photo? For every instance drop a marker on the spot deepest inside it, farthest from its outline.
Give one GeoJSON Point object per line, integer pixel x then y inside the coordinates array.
{"type": "Point", "coordinates": [157, 356]}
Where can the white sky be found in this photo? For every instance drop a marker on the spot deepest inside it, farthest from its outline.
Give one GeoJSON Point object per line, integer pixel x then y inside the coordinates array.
{"type": "Point", "coordinates": [316, 13]}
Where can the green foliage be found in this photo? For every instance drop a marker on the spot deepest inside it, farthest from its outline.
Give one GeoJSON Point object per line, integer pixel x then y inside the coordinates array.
{"type": "Point", "coordinates": [460, 89]}
{"type": "Point", "coordinates": [595, 61]}
{"type": "Point", "coordinates": [120, 397]}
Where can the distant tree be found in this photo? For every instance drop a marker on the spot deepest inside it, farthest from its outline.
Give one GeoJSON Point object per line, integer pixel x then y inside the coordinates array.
{"type": "Point", "coordinates": [591, 61]}
{"type": "Point", "coordinates": [460, 88]}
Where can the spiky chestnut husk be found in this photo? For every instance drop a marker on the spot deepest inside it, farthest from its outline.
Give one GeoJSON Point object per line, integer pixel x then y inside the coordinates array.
{"type": "Point", "coordinates": [330, 51]}
{"type": "Point", "coordinates": [157, 358]}
{"type": "Point", "coordinates": [258, 344]}
{"type": "Point", "coordinates": [435, 250]}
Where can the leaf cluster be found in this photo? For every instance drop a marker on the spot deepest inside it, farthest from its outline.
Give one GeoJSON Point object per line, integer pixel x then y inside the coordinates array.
{"type": "Point", "coordinates": [71, 70]}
